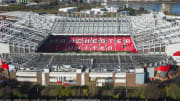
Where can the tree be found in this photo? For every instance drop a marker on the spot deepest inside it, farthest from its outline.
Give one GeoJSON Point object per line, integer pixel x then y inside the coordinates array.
{"type": "Point", "coordinates": [12, 83]}
{"type": "Point", "coordinates": [17, 93]}
{"type": "Point", "coordinates": [135, 93]}
{"type": "Point", "coordinates": [107, 93]}
{"type": "Point", "coordinates": [141, 9]}
{"type": "Point", "coordinates": [53, 2]}
{"type": "Point", "coordinates": [53, 92]}
{"type": "Point", "coordinates": [44, 92]}
{"type": "Point", "coordinates": [93, 91]}
{"type": "Point", "coordinates": [37, 1]}
{"type": "Point", "coordinates": [5, 92]}
{"type": "Point", "coordinates": [1, 70]}
{"type": "Point", "coordinates": [173, 91]}
{"type": "Point", "coordinates": [65, 92]}
{"type": "Point", "coordinates": [152, 92]}
{"type": "Point", "coordinates": [74, 92]}
{"type": "Point", "coordinates": [85, 92]}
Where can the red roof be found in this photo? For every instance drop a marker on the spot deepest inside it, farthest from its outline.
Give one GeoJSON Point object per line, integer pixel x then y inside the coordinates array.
{"type": "Point", "coordinates": [163, 68]}
{"type": "Point", "coordinates": [4, 66]}
{"type": "Point", "coordinates": [177, 53]}
{"type": "Point", "coordinates": [59, 82]}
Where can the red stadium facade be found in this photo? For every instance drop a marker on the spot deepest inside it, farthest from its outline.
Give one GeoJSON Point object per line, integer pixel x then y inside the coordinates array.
{"type": "Point", "coordinates": [88, 43]}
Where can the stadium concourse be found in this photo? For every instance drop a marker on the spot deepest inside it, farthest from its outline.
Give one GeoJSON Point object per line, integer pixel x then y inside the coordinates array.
{"type": "Point", "coordinates": [83, 49]}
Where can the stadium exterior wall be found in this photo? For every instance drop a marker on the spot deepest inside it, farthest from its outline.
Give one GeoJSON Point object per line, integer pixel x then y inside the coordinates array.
{"type": "Point", "coordinates": [19, 49]}
{"type": "Point", "coordinates": [140, 78]}
{"type": "Point", "coordinates": [101, 79]}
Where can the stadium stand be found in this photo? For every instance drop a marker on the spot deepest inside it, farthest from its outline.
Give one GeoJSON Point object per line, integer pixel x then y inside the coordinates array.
{"type": "Point", "coordinates": [154, 36]}
{"type": "Point", "coordinates": [34, 32]}
{"type": "Point", "coordinates": [96, 25]}
{"type": "Point", "coordinates": [25, 36]}
{"type": "Point", "coordinates": [43, 46]}
{"type": "Point", "coordinates": [88, 43]}
{"type": "Point", "coordinates": [98, 62]}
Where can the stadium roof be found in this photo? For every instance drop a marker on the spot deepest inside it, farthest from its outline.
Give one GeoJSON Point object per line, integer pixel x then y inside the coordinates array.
{"type": "Point", "coordinates": [87, 25]}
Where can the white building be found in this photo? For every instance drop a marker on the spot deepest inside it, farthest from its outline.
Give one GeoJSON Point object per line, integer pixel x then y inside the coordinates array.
{"type": "Point", "coordinates": [87, 12]}
{"type": "Point", "coordinates": [112, 9]}
{"type": "Point", "coordinates": [68, 9]}
{"type": "Point", "coordinates": [95, 11]}
{"type": "Point", "coordinates": [99, 11]}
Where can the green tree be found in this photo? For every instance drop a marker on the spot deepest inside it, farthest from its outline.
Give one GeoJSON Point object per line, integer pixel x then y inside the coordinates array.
{"type": "Point", "coordinates": [65, 92]}
{"type": "Point", "coordinates": [37, 1]}
{"type": "Point", "coordinates": [74, 92]}
{"type": "Point", "coordinates": [173, 91]}
{"type": "Point", "coordinates": [5, 92]}
{"type": "Point", "coordinates": [106, 93]}
{"type": "Point", "coordinates": [54, 2]}
{"type": "Point", "coordinates": [141, 9]}
{"type": "Point", "coordinates": [1, 70]}
{"type": "Point", "coordinates": [85, 92]}
{"type": "Point", "coordinates": [44, 92]}
{"type": "Point", "coordinates": [152, 92]}
{"type": "Point", "coordinates": [93, 91]}
{"type": "Point", "coordinates": [53, 92]}
{"type": "Point", "coordinates": [17, 93]}
{"type": "Point", "coordinates": [12, 83]}
{"type": "Point", "coordinates": [135, 92]}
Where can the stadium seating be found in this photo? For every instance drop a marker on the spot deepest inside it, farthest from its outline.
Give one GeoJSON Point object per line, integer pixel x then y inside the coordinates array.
{"type": "Point", "coordinates": [88, 43]}
{"type": "Point", "coordinates": [98, 62]}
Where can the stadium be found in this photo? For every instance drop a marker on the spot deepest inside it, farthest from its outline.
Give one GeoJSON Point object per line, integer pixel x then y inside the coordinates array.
{"type": "Point", "coordinates": [84, 49]}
